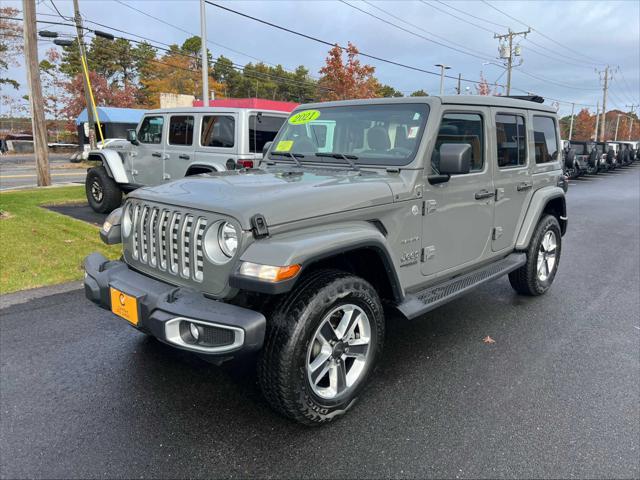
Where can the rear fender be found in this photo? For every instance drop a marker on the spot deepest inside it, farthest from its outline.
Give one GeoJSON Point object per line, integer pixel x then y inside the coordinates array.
{"type": "Point", "coordinates": [539, 201]}
{"type": "Point", "coordinates": [112, 161]}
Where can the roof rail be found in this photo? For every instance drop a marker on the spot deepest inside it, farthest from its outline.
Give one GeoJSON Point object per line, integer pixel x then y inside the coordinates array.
{"type": "Point", "coordinates": [529, 98]}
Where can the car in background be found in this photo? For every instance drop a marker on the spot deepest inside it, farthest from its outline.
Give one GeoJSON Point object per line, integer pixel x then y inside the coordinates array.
{"type": "Point", "coordinates": [585, 157]}
{"type": "Point", "coordinates": [169, 144]}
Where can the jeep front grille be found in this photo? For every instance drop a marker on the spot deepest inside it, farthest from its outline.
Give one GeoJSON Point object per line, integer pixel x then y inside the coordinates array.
{"type": "Point", "coordinates": [168, 240]}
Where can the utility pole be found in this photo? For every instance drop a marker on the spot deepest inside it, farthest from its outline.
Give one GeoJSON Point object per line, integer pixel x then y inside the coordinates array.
{"type": "Point", "coordinates": [87, 92]}
{"type": "Point", "coordinates": [38, 121]}
{"type": "Point", "coordinates": [459, 89]}
{"type": "Point", "coordinates": [595, 134]}
{"type": "Point", "coordinates": [442, 69]}
{"type": "Point", "coordinates": [607, 76]}
{"type": "Point", "coordinates": [573, 105]}
{"type": "Point", "coordinates": [205, 59]}
{"type": "Point", "coordinates": [615, 138]}
{"type": "Point", "coordinates": [507, 52]}
{"type": "Point", "coordinates": [632, 111]}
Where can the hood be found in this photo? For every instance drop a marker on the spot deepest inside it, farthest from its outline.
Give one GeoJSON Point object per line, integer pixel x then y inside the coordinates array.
{"type": "Point", "coordinates": [281, 196]}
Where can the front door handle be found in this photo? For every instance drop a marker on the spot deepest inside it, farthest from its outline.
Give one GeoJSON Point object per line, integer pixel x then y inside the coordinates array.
{"type": "Point", "coordinates": [156, 154]}
{"type": "Point", "coordinates": [484, 194]}
{"type": "Point", "coordinates": [183, 157]}
{"type": "Point", "coordinates": [521, 187]}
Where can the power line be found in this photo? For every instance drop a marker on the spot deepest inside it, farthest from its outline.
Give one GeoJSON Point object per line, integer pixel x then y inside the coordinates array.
{"type": "Point", "coordinates": [540, 33]}
{"type": "Point", "coordinates": [470, 15]}
{"type": "Point", "coordinates": [409, 31]}
{"type": "Point", "coordinates": [386, 12]}
{"type": "Point", "coordinates": [455, 16]}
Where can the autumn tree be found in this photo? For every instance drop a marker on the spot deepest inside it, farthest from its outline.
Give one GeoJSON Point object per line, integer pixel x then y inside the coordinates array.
{"type": "Point", "coordinates": [52, 86]}
{"type": "Point", "coordinates": [11, 44]}
{"type": "Point", "coordinates": [105, 94]}
{"type": "Point", "coordinates": [345, 80]}
{"type": "Point", "coordinates": [483, 88]}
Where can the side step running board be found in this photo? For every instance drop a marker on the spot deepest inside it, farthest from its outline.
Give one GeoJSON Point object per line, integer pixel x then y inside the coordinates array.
{"type": "Point", "coordinates": [419, 303]}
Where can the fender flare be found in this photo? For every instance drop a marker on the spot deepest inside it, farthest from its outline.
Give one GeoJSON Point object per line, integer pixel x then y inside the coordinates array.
{"type": "Point", "coordinates": [537, 205]}
{"type": "Point", "coordinates": [212, 168]}
{"type": "Point", "coordinates": [112, 162]}
{"type": "Point", "coordinates": [308, 246]}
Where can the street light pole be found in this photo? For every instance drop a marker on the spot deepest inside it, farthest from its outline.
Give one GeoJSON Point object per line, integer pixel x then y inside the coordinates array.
{"type": "Point", "coordinates": [442, 69]}
{"type": "Point", "coordinates": [205, 59]}
{"type": "Point", "coordinates": [617, 125]}
{"type": "Point", "coordinates": [573, 105]}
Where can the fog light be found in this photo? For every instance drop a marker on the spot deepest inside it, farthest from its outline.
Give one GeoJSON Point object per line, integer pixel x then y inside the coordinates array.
{"type": "Point", "coordinates": [194, 331]}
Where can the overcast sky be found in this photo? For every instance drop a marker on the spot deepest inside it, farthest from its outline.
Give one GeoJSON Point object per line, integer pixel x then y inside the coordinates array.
{"type": "Point", "coordinates": [589, 34]}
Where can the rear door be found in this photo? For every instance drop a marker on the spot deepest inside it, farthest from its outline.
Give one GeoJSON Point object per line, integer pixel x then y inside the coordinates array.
{"type": "Point", "coordinates": [179, 149]}
{"type": "Point", "coordinates": [148, 156]}
{"type": "Point", "coordinates": [218, 140]}
{"type": "Point", "coordinates": [511, 178]}
{"type": "Point", "coordinates": [458, 214]}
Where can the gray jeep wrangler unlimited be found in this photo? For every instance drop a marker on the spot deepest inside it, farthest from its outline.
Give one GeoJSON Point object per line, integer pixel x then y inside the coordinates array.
{"type": "Point", "coordinates": [363, 207]}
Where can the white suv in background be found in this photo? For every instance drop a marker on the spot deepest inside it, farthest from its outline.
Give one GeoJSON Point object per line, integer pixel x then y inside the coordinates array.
{"type": "Point", "coordinates": [173, 143]}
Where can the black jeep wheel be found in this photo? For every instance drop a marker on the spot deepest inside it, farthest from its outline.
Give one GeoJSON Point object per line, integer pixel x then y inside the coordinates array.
{"type": "Point", "coordinates": [543, 256]}
{"type": "Point", "coordinates": [324, 340]}
{"type": "Point", "coordinates": [103, 193]}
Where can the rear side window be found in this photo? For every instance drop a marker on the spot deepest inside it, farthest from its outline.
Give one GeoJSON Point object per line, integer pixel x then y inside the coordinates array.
{"type": "Point", "coordinates": [181, 130]}
{"type": "Point", "coordinates": [461, 128]}
{"type": "Point", "coordinates": [511, 141]}
{"type": "Point", "coordinates": [545, 139]}
{"type": "Point", "coordinates": [218, 131]}
{"type": "Point", "coordinates": [151, 130]}
{"type": "Point", "coordinates": [262, 129]}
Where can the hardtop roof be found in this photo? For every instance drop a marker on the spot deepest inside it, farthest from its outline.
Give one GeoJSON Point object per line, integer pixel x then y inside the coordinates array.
{"type": "Point", "coordinates": [193, 110]}
{"type": "Point", "coordinates": [475, 100]}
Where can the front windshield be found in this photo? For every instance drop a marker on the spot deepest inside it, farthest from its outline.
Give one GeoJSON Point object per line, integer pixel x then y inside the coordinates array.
{"type": "Point", "coordinates": [387, 134]}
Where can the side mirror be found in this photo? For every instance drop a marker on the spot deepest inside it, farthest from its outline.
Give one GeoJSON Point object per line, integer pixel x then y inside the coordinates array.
{"type": "Point", "coordinates": [455, 158]}
{"type": "Point", "coordinates": [266, 148]}
{"type": "Point", "coordinates": [132, 136]}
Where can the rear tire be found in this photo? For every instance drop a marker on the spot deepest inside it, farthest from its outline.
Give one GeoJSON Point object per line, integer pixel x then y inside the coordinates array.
{"type": "Point", "coordinates": [543, 256]}
{"type": "Point", "coordinates": [311, 369]}
{"type": "Point", "coordinates": [103, 193]}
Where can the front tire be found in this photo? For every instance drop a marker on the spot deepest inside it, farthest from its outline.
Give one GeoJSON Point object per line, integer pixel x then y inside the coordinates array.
{"type": "Point", "coordinates": [543, 256]}
{"type": "Point", "coordinates": [323, 342]}
{"type": "Point", "coordinates": [103, 193]}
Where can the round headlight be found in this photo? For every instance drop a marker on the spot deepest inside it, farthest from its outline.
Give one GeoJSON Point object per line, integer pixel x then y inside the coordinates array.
{"type": "Point", "coordinates": [126, 221]}
{"type": "Point", "coordinates": [228, 239]}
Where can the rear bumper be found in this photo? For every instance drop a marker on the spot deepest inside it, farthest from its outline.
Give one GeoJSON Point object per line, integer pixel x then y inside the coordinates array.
{"type": "Point", "coordinates": [162, 307]}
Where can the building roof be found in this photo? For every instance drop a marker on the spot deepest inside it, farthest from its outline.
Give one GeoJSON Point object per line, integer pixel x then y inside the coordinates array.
{"type": "Point", "coordinates": [253, 103]}
{"type": "Point", "coordinates": [113, 115]}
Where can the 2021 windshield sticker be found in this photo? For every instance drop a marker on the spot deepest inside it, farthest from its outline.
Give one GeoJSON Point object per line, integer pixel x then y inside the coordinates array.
{"type": "Point", "coordinates": [304, 117]}
{"type": "Point", "coordinates": [284, 145]}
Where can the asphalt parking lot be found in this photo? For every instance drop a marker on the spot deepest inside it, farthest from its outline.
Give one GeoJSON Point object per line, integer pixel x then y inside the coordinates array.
{"type": "Point", "coordinates": [19, 171]}
{"type": "Point", "coordinates": [83, 395]}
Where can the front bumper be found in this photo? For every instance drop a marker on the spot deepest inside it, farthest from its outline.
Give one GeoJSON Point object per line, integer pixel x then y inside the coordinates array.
{"type": "Point", "coordinates": [161, 307]}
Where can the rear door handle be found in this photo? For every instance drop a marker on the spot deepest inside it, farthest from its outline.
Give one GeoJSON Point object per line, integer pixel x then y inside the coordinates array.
{"type": "Point", "coordinates": [156, 154]}
{"type": "Point", "coordinates": [484, 194]}
{"type": "Point", "coordinates": [184, 157]}
{"type": "Point", "coordinates": [521, 187]}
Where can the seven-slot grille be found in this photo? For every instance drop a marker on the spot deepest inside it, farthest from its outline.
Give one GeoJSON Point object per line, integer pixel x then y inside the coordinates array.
{"type": "Point", "coordinates": [168, 240]}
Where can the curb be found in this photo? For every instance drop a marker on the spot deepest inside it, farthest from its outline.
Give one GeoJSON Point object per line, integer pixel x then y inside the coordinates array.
{"type": "Point", "coordinates": [24, 296]}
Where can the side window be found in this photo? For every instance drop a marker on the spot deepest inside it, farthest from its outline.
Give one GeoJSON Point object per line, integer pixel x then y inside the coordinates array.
{"type": "Point", "coordinates": [218, 131]}
{"type": "Point", "coordinates": [181, 130]}
{"type": "Point", "coordinates": [545, 139]}
{"type": "Point", "coordinates": [461, 128]}
{"type": "Point", "coordinates": [151, 130]}
{"type": "Point", "coordinates": [511, 140]}
{"type": "Point", "coordinates": [262, 129]}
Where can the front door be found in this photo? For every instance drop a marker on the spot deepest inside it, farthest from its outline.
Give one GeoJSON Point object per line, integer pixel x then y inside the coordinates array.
{"type": "Point", "coordinates": [458, 214]}
{"type": "Point", "coordinates": [148, 161]}
{"type": "Point", "coordinates": [179, 150]}
{"type": "Point", "coordinates": [511, 178]}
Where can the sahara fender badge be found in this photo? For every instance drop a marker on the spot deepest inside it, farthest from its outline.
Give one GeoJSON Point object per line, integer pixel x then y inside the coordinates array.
{"type": "Point", "coordinates": [304, 117]}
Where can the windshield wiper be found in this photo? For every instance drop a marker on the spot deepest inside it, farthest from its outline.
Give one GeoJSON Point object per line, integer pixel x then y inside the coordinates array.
{"type": "Point", "coordinates": [293, 156]}
{"type": "Point", "coordinates": [347, 158]}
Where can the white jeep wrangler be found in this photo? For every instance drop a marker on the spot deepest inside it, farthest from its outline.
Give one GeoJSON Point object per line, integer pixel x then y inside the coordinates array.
{"type": "Point", "coordinates": [173, 143]}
